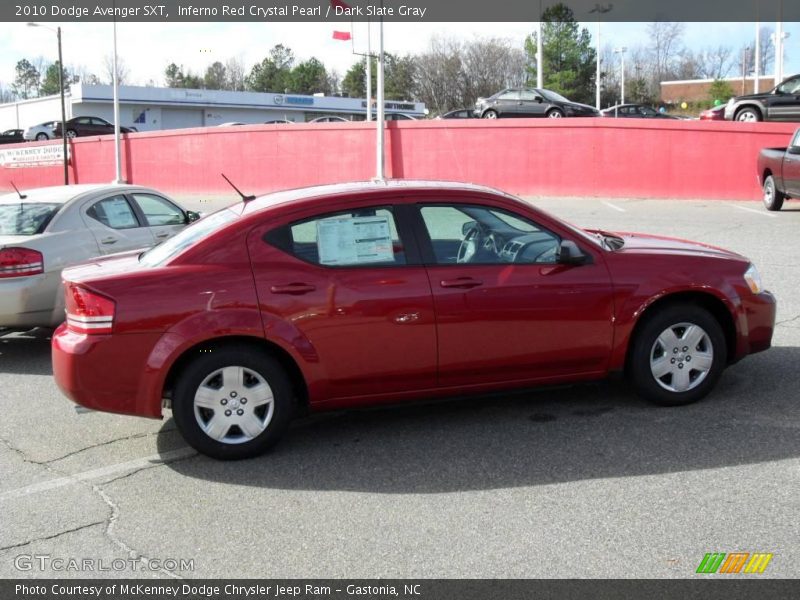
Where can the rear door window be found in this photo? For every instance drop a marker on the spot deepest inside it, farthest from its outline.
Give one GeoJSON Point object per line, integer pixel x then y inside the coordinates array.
{"type": "Point", "coordinates": [114, 212]}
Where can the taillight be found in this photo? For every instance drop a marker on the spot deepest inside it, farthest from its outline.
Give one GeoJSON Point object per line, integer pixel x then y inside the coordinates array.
{"type": "Point", "coordinates": [88, 312]}
{"type": "Point", "coordinates": [20, 262]}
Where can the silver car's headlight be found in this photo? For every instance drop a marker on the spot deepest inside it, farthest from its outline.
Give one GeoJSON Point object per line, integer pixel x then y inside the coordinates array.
{"type": "Point", "coordinates": [753, 279]}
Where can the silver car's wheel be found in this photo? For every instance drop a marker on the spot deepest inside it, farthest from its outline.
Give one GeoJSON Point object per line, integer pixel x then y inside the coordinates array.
{"type": "Point", "coordinates": [42, 136]}
{"type": "Point", "coordinates": [748, 115]}
{"type": "Point", "coordinates": [490, 114]}
{"type": "Point", "coordinates": [555, 114]}
{"type": "Point", "coordinates": [681, 357]}
{"type": "Point", "coordinates": [234, 405]}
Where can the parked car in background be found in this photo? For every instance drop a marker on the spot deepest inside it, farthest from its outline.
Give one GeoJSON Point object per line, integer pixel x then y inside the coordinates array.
{"type": "Point", "coordinates": [329, 119]}
{"type": "Point", "coordinates": [716, 113]}
{"type": "Point", "coordinates": [83, 126]}
{"type": "Point", "coordinates": [46, 229]}
{"type": "Point", "coordinates": [635, 111]}
{"type": "Point", "coordinates": [278, 122]}
{"type": "Point", "coordinates": [358, 294]}
{"type": "Point", "coordinates": [782, 103]}
{"type": "Point", "coordinates": [41, 132]}
{"type": "Point", "coordinates": [514, 102]}
{"type": "Point", "coordinates": [231, 124]}
{"type": "Point", "coordinates": [11, 136]}
{"type": "Point", "coordinates": [779, 173]}
{"type": "Point", "coordinates": [461, 113]}
{"type": "Point", "coordinates": [398, 117]}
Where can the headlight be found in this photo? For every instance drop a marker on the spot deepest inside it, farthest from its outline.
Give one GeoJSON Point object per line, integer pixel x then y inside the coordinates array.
{"type": "Point", "coordinates": [753, 279]}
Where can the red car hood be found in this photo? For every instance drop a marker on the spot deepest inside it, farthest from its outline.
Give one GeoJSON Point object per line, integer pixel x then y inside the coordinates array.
{"type": "Point", "coordinates": [656, 244]}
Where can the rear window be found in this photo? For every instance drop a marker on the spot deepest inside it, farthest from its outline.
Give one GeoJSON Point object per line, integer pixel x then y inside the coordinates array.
{"type": "Point", "coordinates": [26, 218]}
{"type": "Point", "coordinates": [187, 237]}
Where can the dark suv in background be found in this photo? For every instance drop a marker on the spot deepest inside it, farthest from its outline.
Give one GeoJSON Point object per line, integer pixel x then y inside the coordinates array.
{"type": "Point", "coordinates": [530, 102]}
{"type": "Point", "coordinates": [782, 103]}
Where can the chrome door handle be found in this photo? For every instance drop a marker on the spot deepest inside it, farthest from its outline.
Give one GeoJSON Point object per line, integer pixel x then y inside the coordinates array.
{"type": "Point", "coordinates": [109, 240]}
{"type": "Point", "coordinates": [163, 235]}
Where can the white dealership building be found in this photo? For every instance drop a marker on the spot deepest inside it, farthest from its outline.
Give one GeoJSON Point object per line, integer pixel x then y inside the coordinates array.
{"type": "Point", "coordinates": [153, 108]}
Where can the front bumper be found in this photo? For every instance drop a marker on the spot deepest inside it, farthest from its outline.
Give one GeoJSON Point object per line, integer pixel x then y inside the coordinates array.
{"type": "Point", "coordinates": [759, 312]}
{"type": "Point", "coordinates": [105, 372]}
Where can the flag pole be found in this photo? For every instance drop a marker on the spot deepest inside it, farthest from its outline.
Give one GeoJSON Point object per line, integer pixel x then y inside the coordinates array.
{"type": "Point", "coordinates": [369, 71]}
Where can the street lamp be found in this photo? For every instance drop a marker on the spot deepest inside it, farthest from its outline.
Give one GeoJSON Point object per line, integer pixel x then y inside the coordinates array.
{"type": "Point", "coordinates": [61, 87]}
{"type": "Point", "coordinates": [599, 10]}
{"type": "Point", "coordinates": [621, 51]}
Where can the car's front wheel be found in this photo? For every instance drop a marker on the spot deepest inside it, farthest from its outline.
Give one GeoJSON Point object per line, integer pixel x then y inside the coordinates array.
{"type": "Point", "coordinates": [748, 115]}
{"type": "Point", "coordinates": [232, 403]}
{"type": "Point", "coordinates": [555, 113]}
{"type": "Point", "coordinates": [678, 355]}
{"type": "Point", "coordinates": [490, 114]}
{"type": "Point", "coordinates": [773, 198]}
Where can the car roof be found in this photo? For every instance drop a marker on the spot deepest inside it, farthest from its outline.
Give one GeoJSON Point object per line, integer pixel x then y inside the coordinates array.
{"type": "Point", "coordinates": [61, 194]}
{"type": "Point", "coordinates": [361, 187]}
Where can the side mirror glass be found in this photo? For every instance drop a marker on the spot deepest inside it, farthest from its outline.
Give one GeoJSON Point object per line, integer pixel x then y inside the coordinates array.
{"type": "Point", "coordinates": [793, 150]}
{"type": "Point", "coordinates": [539, 99]}
{"type": "Point", "coordinates": [570, 254]}
{"type": "Point", "coordinates": [192, 216]}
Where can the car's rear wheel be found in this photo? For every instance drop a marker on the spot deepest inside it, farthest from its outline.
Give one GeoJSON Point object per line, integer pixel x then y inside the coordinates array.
{"type": "Point", "coordinates": [555, 113]}
{"type": "Point", "coordinates": [490, 114]}
{"type": "Point", "coordinates": [232, 403]}
{"type": "Point", "coordinates": [42, 136]}
{"type": "Point", "coordinates": [71, 133]}
{"type": "Point", "coordinates": [748, 115]}
{"type": "Point", "coordinates": [773, 198]}
{"type": "Point", "coordinates": [678, 355]}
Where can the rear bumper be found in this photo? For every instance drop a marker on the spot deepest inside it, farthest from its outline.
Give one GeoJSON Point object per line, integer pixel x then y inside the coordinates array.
{"type": "Point", "coordinates": [759, 312]}
{"type": "Point", "coordinates": [105, 372]}
{"type": "Point", "coordinates": [27, 302]}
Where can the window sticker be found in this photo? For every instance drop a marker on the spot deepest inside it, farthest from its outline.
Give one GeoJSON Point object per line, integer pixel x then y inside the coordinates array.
{"type": "Point", "coordinates": [354, 240]}
{"type": "Point", "coordinates": [119, 213]}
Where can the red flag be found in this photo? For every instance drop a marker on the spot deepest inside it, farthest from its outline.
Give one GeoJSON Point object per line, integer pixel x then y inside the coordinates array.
{"type": "Point", "coordinates": [341, 35]}
{"type": "Point", "coordinates": [340, 4]}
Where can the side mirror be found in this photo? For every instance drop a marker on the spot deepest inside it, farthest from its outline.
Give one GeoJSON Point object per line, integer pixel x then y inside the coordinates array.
{"type": "Point", "coordinates": [467, 227]}
{"type": "Point", "coordinates": [192, 216]}
{"type": "Point", "coordinates": [793, 150]}
{"type": "Point", "coordinates": [539, 99]}
{"type": "Point", "coordinates": [570, 254]}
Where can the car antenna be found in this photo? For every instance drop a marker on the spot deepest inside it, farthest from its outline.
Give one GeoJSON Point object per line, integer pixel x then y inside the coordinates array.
{"type": "Point", "coordinates": [245, 199]}
{"type": "Point", "coordinates": [20, 194]}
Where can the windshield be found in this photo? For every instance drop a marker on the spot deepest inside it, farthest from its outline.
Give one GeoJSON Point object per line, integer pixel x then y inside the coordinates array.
{"type": "Point", "coordinates": [192, 234]}
{"type": "Point", "coordinates": [553, 97]}
{"type": "Point", "coordinates": [26, 218]}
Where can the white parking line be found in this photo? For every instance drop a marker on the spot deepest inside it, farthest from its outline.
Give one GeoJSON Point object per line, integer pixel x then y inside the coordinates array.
{"type": "Point", "coordinates": [614, 206]}
{"type": "Point", "coordinates": [753, 210]}
{"type": "Point", "coordinates": [131, 465]}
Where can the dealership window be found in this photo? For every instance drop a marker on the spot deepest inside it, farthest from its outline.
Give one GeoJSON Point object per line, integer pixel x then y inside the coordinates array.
{"type": "Point", "coordinates": [114, 212]}
{"type": "Point", "coordinates": [470, 234]}
{"type": "Point", "coordinates": [362, 237]}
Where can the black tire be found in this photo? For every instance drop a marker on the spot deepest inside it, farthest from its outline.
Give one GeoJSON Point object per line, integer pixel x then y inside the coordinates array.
{"type": "Point", "coordinates": [773, 198]}
{"type": "Point", "coordinates": [555, 113]}
{"type": "Point", "coordinates": [647, 347]}
{"type": "Point", "coordinates": [748, 115]}
{"type": "Point", "coordinates": [490, 114]}
{"type": "Point", "coordinates": [41, 136]}
{"type": "Point", "coordinates": [197, 372]}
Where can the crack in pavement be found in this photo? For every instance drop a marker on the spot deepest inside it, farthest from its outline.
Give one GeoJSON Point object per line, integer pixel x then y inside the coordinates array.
{"type": "Point", "coordinates": [51, 537]}
{"type": "Point", "coordinates": [75, 452]}
{"type": "Point", "coordinates": [795, 318]}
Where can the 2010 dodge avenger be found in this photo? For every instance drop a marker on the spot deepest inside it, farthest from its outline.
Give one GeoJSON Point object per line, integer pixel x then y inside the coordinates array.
{"type": "Point", "coordinates": [356, 294]}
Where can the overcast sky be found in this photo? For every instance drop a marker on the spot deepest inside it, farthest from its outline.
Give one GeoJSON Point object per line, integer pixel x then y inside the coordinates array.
{"type": "Point", "coordinates": [147, 48]}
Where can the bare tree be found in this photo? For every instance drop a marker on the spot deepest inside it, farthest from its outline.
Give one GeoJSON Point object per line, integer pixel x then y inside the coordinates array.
{"type": "Point", "coordinates": [715, 63]}
{"type": "Point", "coordinates": [438, 77]}
{"type": "Point", "coordinates": [665, 48]}
{"type": "Point", "coordinates": [235, 74]}
{"type": "Point", "coordinates": [489, 65]}
{"type": "Point", "coordinates": [123, 73]}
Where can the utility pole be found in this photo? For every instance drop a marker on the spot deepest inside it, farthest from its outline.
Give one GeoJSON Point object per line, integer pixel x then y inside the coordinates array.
{"type": "Point", "coordinates": [621, 51]}
{"type": "Point", "coordinates": [380, 173]}
{"type": "Point", "coordinates": [369, 71]}
{"type": "Point", "coordinates": [600, 10]}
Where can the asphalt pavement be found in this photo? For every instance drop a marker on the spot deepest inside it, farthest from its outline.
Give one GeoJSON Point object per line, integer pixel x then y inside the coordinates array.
{"type": "Point", "coordinates": [583, 481]}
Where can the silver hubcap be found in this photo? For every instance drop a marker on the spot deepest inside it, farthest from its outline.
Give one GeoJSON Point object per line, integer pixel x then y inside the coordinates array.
{"type": "Point", "coordinates": [233, 405]}
{"type": "Point", "coordinates": [681, 357]}
{"type": "Point", "coordinates": [555, 115]}
{"type": "Point", "coordinates": [490, 115]}
{"type": "Point", "coordinates": [70, 134]}
{"type": "Point", "coordinates": [769, 194]}
{"type": "Point", "coordinates": [747, 116]}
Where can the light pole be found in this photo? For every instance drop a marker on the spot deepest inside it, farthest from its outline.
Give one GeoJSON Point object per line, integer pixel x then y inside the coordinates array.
{"type": "Point", "coordinates": [380, 174]}
{"type": "Point", "coordinates": [61, 87]}
{"type": "Point", "coordinates": [115, 83]}
{"type": "Point", "coordinates": [540, 51]}
{"type": "Point", "coordinates": [599, 10]}
{"type": "Point", "coordinates": [621, 51]}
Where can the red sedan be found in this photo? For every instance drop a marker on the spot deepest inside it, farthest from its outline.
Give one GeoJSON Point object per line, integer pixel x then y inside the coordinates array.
{"type": "Point", "coordinates": [357, 294]}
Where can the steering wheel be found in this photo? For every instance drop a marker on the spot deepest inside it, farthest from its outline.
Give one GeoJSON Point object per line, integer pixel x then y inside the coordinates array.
{"type": "Point", "coordinates": [470, 244]}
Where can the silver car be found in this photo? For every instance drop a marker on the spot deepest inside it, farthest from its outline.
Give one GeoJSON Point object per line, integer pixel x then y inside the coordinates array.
{"type": "Point", "coordinates": [44, 230]}
{"type": "Point", "coordinates": [42, 131]}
